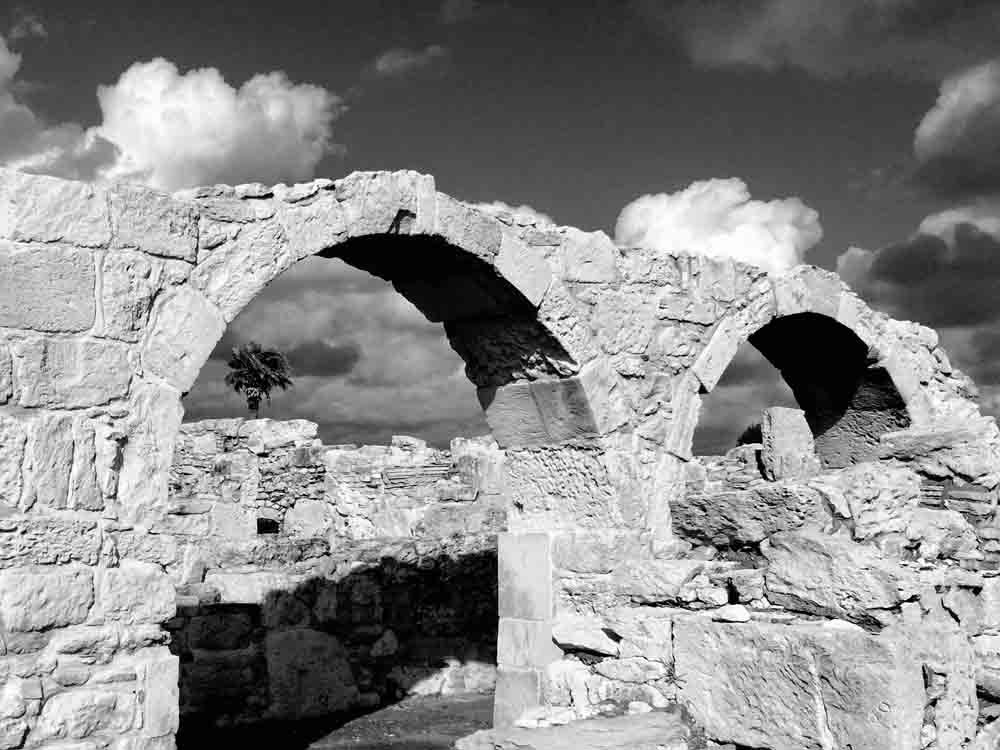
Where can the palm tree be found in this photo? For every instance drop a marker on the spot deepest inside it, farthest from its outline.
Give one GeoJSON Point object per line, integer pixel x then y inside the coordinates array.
{"type": "Point", "coordinates": [255, 372]}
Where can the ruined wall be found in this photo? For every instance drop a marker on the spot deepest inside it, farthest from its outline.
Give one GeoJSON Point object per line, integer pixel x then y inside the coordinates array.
{"type": "Point", "coordinates": [589, 361]}
{"type": "Point", "coordinates": [372, 573]}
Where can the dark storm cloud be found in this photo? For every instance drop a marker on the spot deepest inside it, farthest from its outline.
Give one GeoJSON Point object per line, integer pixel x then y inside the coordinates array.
{"type": "Point", "coordinates": [910, 38]}
{"type": "Point", "coordinates": [322, 359]}
{"type": "Point", "coordinates": [953, 282]}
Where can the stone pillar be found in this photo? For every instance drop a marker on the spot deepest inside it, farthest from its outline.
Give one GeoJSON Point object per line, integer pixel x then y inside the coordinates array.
{"type": "Point", "coordinates": [524, 635]}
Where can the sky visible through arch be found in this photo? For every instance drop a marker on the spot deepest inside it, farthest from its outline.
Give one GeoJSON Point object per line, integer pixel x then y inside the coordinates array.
{"type": "Point", "coordinates": [861, 135]}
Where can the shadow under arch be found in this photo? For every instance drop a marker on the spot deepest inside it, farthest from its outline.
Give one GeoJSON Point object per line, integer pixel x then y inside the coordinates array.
{"type": "Point", "coordinates": [847, 394]}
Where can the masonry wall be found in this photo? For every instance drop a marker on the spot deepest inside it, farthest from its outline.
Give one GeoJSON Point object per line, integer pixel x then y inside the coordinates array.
{"type": "Point", "coordinates": [863, 601]}
{"type": "Point", "coordinates": [314, 580]}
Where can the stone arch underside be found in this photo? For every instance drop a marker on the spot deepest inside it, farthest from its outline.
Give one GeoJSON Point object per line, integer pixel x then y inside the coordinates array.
{"type": "Point", "coordinates": [847, 395]}
{"type": "Point", "coordinates": [589, 361]}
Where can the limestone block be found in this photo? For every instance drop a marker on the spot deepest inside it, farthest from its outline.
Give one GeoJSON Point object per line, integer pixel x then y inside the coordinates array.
{"type": "Point", "coordinates": [798, 687]}
{"type": "Point", "coordinates": [525, 576]}
{"type": "Point", "coordinates": [517, 691]}
{"type": "Point", "coordinates": [77, 714]}
{"type": "Point", "coordinates": [34, 539]}
{"type": "Point", "coordinates": [879, 498]}
{"type": "Point", "coordinates": [655, 581]}
{"type": "Point", "coordinates": [746, 516]}
{"type": "Point", "coordinates": [309, 674]}
{"type": "Point", "coordinates": [809, 571]}
{"type": "Point", "coordinates": [789, 451]}
{"type": "Point", "coordinates": [644, 631]}
{"type": "Point", "coordinates": [67, 277]}
{"type": "Point", "coordinates": [468, 228]}
{"type": "Point", "coordinates": [135, 592]}
{"type": "Point", "coordinates": [12, 442]}
{"type": "Point", "coordinates": [312, 226]}
{"type": "Point", "coordinates": [129, 283]}
{"type": "Point", "coordinates": [159, 672]}
{"type": "Point", "coordinates": [232, 274]}
{"type": "Point", "coordinates": [47, 209]}
{"type": "Point", "coordinates": [49, 461]}
{"type": "Point", "coordinates": [185, 329]}
{"type": "Point", "coordinates": [564, 487]}
{"type": "Point", "coordinates": [635, 669]}
{"type": "Point", "coordinates": [581, 633]}
{"type": "Point", "coordinates": [71, 373]}
{"type": "Point", "coordinates": [381, 202]}
{"type": "Point", "coordinates": [147, 449]}
{"type": "Point", "coordinates": [523, 644]}
{"type": "Point", "coordinates": [513, 415]}
{"type": "Point", "coordinates": [6, 373]}
{"type": "Point", "coordinates": [41, 598]}
{"type": "Point", "coordinates": [525, 268]}
{"type": "Point", "coordinates": [84, 492]}
{"type": "Point", "coordinates": [153, 222]}
{"type": "Point", "coordinates": [589, 257]}
{"type": "Point", "coordinates": [941, 533]}
{"type": "Point", "coordinates": [807, 289]}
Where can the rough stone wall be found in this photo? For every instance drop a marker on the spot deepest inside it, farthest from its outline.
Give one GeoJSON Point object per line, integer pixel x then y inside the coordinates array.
{"type": "Point", "coordinates": [376, 579]}
{"type": "Point", "coordinates": [589, 361]}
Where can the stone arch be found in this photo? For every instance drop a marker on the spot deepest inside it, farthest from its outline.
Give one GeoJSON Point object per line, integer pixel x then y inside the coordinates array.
{"type": "Point", "coordinates": [850, 373]}
{"type": "Point", "coordinates": [502, 308]}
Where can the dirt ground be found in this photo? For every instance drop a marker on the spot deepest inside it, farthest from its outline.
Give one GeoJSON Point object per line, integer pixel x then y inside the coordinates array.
{"type": "Point", "coordinates": [412, 724]}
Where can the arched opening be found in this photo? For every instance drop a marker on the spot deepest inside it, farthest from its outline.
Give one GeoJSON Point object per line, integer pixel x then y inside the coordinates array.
{"type": "Point", "coordinates": [816, 398]}
{"type": "Point", "coordinates": [325, 575]}
{"type": "Point", "coordinates": [846, 394]}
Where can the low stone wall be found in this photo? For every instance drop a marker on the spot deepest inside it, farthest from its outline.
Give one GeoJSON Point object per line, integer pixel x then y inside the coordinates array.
{"type": "Point", "coordinates": [314, 580]}
{"type": "Point", "coordinates": [863, 602]}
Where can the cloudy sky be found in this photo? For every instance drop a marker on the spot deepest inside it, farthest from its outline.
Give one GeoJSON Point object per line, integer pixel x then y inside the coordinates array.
{"type": "Point", "coordinates": [861, 135]}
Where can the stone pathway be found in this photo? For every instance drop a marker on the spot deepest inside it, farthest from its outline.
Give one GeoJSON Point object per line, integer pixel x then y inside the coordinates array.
{"type": "Point", "coordinates": [413, 724]}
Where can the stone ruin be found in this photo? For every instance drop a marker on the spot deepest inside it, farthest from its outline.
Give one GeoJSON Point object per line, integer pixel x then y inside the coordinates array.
{"type": "Point", "coordinates": [835, 586]}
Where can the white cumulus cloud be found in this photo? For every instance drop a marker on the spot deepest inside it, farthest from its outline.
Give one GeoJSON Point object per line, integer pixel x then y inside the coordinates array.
{"type": "Point", "coordinates": [718, 218]}
{"type": "Point", "coordinates": [173, 130]}
{"type": "Point", "coordinates": [178, 129]}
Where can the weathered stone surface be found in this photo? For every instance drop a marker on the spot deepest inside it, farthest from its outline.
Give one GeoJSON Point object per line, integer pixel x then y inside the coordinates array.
{"type": "Point", "coordinates": [832, 576]}
{"type": "Point", "coordinates": [788, 451]}
{"type": "Point", "coordinates": [27, 540]}
{"type": "Point", "coordinates": [66, 275]}
{"type": "Point", "coordinates": [298, 688]}
{"type": "Point", "coordinates": [77, 714]}
{"type": "Point", "coordinates": [726, 517]}
{"type": "Point", "coordinates": [880, 500]}
{"type": "Point", "coordinates": [48, 462]}
{"type": "Point", "coordinates": [12, 442]}
{"type": "Point", "coordinates": [129, 283]}
{"type": "Point", "coordinates": [153, 222]}
{"type": "Point", "coordinates": [797, 687]}
{"type": "Point", "coordinates": [184, 330]}
{"type": "Point", "coordinates": [71, 373]}
{"type": "Point", "coordinates": [147, 449]}
{"type": "Point", "coordinates": [135, 592]}
{"type": "Point", "coordinates": [42, 598]}
{"type": "Point", "coordinates": [45, 209]}
{"type": "Point", "coordinates": [578, 633]}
